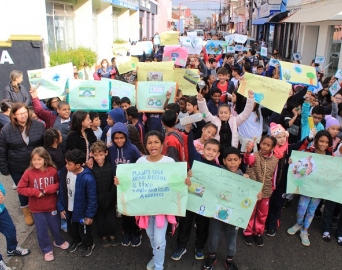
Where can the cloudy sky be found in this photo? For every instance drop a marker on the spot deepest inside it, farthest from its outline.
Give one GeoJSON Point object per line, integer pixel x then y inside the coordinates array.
{"type": "Point", "coordinates": [200, 9]}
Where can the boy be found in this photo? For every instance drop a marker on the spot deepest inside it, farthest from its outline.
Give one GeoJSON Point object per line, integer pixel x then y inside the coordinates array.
{"type": "Point", "coordinates": [125, 103]}
{"type": "Point", "coordinates": [115, 102]}
{"type": "Point", "coordinates": [95, 124]}
{"type": "Point", "coordinates": [231, 160]}
{"type": "Point", "coordinates": [182, 112]}
{"type": "Point", "coordinates": [215, 101]}
{"type": "Point", "coordinates": [211, 70]}
{"type": "Point", "coordinates": [106, 195]}
{"type": "Point", "coordinates": [211, 151]}
{"type": "Point", "coordinates": [114, 116]}
{"type": "Point", "coordinates": [260, 70]}
{"type": "Point", "coordinates": [317, 114]}
{"type": "Point", "coordinates": [132, 116]}
{"type": "Point", "coordinates": [77, 201]}
{"type": "Point", "coordinates": [236, 73]}
{"type": "Point", "coordinates": [223, 84]}
{"type": "Point", "coordinates": [122, 152]}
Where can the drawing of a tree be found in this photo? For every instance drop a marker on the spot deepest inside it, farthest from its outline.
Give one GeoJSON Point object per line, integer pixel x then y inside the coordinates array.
{"type": "Point", "coordinates": [311, 76]}
{"type": "Point", "coordinates": [175, 186]}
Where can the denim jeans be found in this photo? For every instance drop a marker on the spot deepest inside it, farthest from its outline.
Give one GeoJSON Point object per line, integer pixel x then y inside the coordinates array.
{"type": "Point", "coordinates": [7, 228]}
{"type": "Point", "coordinates": [158, 241]}
{"type": "Point", "coordinates": [16, 176]}
{"type": "Point", "coordinates": [306, 210]}
{"type": "Point", "coordinates": [329, 209]}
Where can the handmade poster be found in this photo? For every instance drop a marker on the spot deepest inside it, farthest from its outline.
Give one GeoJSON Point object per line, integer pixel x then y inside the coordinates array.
{"type": "Point", "coordinates": [122, 89]}
{"type": "Point", "coordinates": [274, 62]}
{"type": "Point", "coordinates": [187, 80]}
{"type": "Point", "coordinates": [315, 175]}
{"type": "Point", "coordinates": [126, 63]}
{"type": "Point", "coordinates": [169, 38]}
{"type": "Point", "coordinates": [268, 92]}
{"type": "Point", "coordinates": [263, 51]}
{"type": "Point", "coordinates": [156, 40]}
{"type": "Point", "coordinates": [146, 46]}
{"type": "Point", "coordinates": [52, 80]}
{"type": "Point", "coordinates": [223, 195]}
{"type": "Point", "coordinates": [135, 50]}
{"type": "Point", "coordinates": [319, 59]}
{"type": "Point", "coordinates": [156, 71]}
{"type": "Point", "coordinates": [315, 90]}
{"type": "Point", "coordinates": [297, 56]}
{"type": "Point", "coordinates": [89, 95]}
{"type": "Point", "coordinates": [334, 88]}
{"type": "Point", "coordinates": [194, 46]}
{"type": "Point", "coordinates": [338, 74]}
{"type": "Point", "coordinates": [191, 35]}
{"type": "Point", "coordinates": [215, 46]}
{"type": "Point", "coordinates": [229, 39]}
{"type": "Point", "coordinates": [231, 49]}
{"type": "Point", "coordinates": [151, 96]}
{"type": "Point", "coordinates": [298, 74]}
{"type": "Point", "coordinates": [239, 48]}
{"type": "Point", "coordinates": [240, 38]}
{"type": "Point", "coordinates": [177, 54]}
{"type": "Point", "coordinates": [147, 189]}
{"type": "Point", "coordinates": [120, 49]}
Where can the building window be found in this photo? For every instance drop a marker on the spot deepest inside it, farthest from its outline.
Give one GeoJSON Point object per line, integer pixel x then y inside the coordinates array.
{"type": "Point", "coordinates": [60, 25]}
{"type": "Point", "coordinates": [115, 24]}
{"type": "Point", "coordinates": [335, 49]}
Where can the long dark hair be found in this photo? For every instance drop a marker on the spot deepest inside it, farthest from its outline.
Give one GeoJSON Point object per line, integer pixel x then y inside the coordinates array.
{"type": "Point", "coordinates": [134, 138]}
{"type": "Point", "coordinates": [17, 106]}
{"type": "Point", "coordinates": [323, 133]}
{"type": "Point", "coordinates": [50, 135]}
{"type": "Point", "coordinates": [77, 119]}
{"type": "Point", "coordinates": [48, 103]}
{"type": "Point", "coordinates": [240, 102]}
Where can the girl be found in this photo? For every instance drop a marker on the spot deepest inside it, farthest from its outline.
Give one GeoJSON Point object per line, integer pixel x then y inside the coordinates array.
{"type": "Point", "coordinates": [52, 141]}
{"type": "Point", "coordinates": [291, 117]}
{"type": "Point", "coordinates": [261, 167]}
{"type": "Point", "coordinates": [332, 125]}
{"type": "Point", "coordinates": [40, 183]}
{"type": "Point", "coordinates": [227, 124]}
{"type": "Point", "coordinates": [238, 103]}
{"type": "Point", "coordinates": [81, 135]}
{"type": "Point", "coordinates": [134, 137]}
{"type": "Point", "coordinates": [155, 225]}
{"type": "Point", "coordinates": [208, 132]}
{"type": "Point", "coordinates": [192, 108]}
{"type": "Point", "coordinates": [307, 205]}
{"type": "Point", "coordinates": [324, 97]}
{"type": "Point", "coordinates": [52, 104]}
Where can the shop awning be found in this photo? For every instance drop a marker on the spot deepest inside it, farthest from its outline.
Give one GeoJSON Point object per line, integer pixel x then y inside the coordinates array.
{"type": "Point", "coordinates": [329, 10]}
{"type": "Point", "coordinates": [272, 19]}
{"type": "Point", "coordinates": [259, 21]}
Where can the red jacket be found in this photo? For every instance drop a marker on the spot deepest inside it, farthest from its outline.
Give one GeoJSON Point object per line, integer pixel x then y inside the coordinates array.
{"type": "Point", "coordinates": [33, 182]}
{"type": "Point", "coordinates": [176, 146]}
{"type": "Point", "coordinates": [47, 116]}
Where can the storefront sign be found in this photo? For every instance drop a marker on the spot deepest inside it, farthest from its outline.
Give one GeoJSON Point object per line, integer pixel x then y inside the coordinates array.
{"type": "Point", "coordinates": [144, 5]}
{"type": "Point", "coordinates": [5, 58]}
{"type": "Point", "coordinates": [130, 4]}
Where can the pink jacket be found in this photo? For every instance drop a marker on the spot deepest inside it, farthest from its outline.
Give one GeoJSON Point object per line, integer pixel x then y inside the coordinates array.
{"type": "Point", "coordinates": [142, 221]}
{"type": "Point", "coordinates": [234, 121]}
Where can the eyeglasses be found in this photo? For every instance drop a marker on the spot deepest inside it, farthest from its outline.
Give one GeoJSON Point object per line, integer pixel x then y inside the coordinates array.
{"type": "Point", "coordinates": [317, 118]}
{"type": "Point", "coordinates": [21, 114]}
{"type": "Point", "coordinates": [54, 101]}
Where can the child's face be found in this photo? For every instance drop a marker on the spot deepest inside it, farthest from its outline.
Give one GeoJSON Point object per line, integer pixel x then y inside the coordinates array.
{"type": "Point", "coordinates": [99, 157]}
{"type": "Point", "coordinates": [124, 106]}
{"type": "Point", "coordinates": [208, 133]}
{"type": "Point", "coordinates": [72, 167]}
{"type": "Point", "coordinates": [212, 79]}
{"type": "Point", "coordinates": [182, 105]}
{"type": "Point", "coordinates": [338, 98]}
{"type": "Point", "coordinates": [54, 103]}
{"type": "Point", "coordinates": [60, 138]}
{"type": "Point", "coordinates": [211, 151]}
{"type": "Point", "coordinates": [86, 122]}
{"type": "Point", "coordinates": [222, 77]}
{"type": "Point", "coordinates": [190, 108]}
{"type": "Point", "coordinates": [38, 162]}
{"type": "Point", "coordinates": [325, 92]}
{"type": "Point", "coordinates": [230, 60]}
{"type": "Point", "coordinates": [114, 105]}
{"type": "Point", "coordinates": [281, 138]}
{"type": "Point", "coordinates": [232, 162]}
{"type": "Point", "coordinates": [153, 145]}
{"type": "Point", "coordinates": [64, 112]}
{"type": "Point", "coordinates": [224, 113]}
{"type": "Point", "coordinates": [333, 130]}
{"type": "Point", "coordinates": [234, 98]}
{"type": "Point", "coordinates": [213, 65]}
{"type": "Point", "coordinates": [216, 97]}
{"type": "Point", "coordinates": [260, 71]}
{"type": "Point", "coordinates": [119, 139]}
{"type": "Point", "coordinates": [322, 143]}
{"type": "Point", "coordinates": [317, 118]}
{"type": "Point", "coordinates": [110, 121]}
{"type": "Point", "coordinates": [96, 122]}
{"type": "Point", "coordinates": [266, 146]}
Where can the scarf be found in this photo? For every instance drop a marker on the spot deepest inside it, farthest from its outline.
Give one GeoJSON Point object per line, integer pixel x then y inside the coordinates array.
{"type": "Point", "coordinates": [279, 150]}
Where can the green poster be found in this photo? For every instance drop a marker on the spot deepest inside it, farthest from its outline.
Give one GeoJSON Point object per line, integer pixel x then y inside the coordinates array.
{"type": "Point", "coordinates": [89, 95]}
{"type": "Point", "coordinates": [147, 189]}
{"type": "Point", "coordinates": [151, 96]}
{"type": "Point", "coordinates": [122, 89]}
{"type": "Point", "coordinates": [315, 175]}
{"type": "Point", "coordinates": [223, 195]}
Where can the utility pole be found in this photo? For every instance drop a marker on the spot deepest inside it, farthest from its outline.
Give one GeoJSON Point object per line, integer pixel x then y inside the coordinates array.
{"type": "Point", "coordinates": [228, 11]}
{"type": "Point", "coordinates": [250, 18]}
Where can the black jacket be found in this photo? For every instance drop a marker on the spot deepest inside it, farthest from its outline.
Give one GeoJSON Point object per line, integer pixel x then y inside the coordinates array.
{"type": "Point", "coordinates": [14, 152]}
{"type": "Point", "coordinates": [76, 141]}
{"type": "Point", "coordinates": [4, 119]}
{"type": "Point", "coordinates": [22, 96]}
{"type": "Point", "coordinates": [105, 187]}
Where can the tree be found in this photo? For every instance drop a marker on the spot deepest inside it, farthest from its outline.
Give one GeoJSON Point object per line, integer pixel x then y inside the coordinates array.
{"type": "Point", "coordinates": [196, 19]}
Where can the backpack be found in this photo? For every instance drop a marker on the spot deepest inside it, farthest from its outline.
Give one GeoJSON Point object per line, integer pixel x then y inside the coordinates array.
{"type": "Point", "coordinates": [183, 139]}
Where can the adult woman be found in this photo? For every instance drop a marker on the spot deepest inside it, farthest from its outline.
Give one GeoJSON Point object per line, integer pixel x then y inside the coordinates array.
{"type": "Point", "coordinates": [16, 92]}
{"type": "Point", "coordinates": [104, 71]}
{"type": "Point", "coordinates": [5, 107]}
{"type": "Point", "coordinates": [17, 140]}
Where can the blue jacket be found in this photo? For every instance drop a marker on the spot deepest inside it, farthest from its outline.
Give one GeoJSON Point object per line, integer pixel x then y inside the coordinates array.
{"type": "Point", "coordinates": [213, 109]}
{"type": "Point", "coordinates": [85, 201]}
{"type": "Point", "coordinates": [305, 123]}
{"type": "Point", "coordinates": [118, 115]}
{"type": "Point", "coordinates": [2, 205]}
{"type": "Point", "coordinates": [129, 153]}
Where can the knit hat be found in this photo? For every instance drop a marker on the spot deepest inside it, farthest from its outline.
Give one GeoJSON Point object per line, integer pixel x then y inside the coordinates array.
{"type": "Point", "coordinates": [331, 121]}
{"type": "Point", "coordinates": [276, 129]}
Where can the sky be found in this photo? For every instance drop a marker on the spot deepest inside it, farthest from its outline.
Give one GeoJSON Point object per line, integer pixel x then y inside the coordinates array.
{"type": "Point", "coordinates": [200, 9]}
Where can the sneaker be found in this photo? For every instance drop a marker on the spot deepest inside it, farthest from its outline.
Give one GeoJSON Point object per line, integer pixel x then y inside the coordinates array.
{"type": "Point", "coordinates": [150, 265]}
{"type": "Point", "coordinates": [339, 241]}
{"type": "Point", "coordinates": [72, 248]}
{"type": "Point", "coordinates": [271, 232]}
{"type": "Point", "coordinates": [64, 246]}
{"type": "Point", "coordinates": [113, 241]}
{"type": "Point", "coordinates": [259, 241]}
{"type": "Point", "coordinates": [326, 236]}
{"type": "Point", "coordinates": [126, 240]}
{"type": "Point", "coordinates": [334, 222]}
{"type": "Point", "coordinates": [294, 229]}
{"type": "Point", "coordinates": [248, 239]}
{"type": "Point", "coordinates": [49, 256]}
{"type": "Point", "coordinates": [318, 213]}
{"type": "Point", "coordinates": [14, 186]}
{"type": "Point", "coordinates": [230, 265]}
{"type": "Point", "coordinates": [87, 251]}
{"type": "Point", "coordinates": [136, 241]}
{"type": "Point", "coordinates": [199, 255]}
{"type": "Point", "coordinates": [104, 242]}
{"type": "Point", "coordinates": [19, 251]}
{"type": "Point", "coordinates": [178, 253]}
{"type": "Point", "coordinates": [3, 266]}
{"type": "Point", "coordinates": [304, 236]}
{"type": "Point", "coordinates": [209, 263]}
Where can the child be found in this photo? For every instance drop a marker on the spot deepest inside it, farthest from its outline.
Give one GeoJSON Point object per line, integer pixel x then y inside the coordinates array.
{"type": "Point", "coordinates": [116, 115]}
{"type": "Point", "coordinates": [155, 225]}
{"type": "Point", "coordinates": [262, 166]}
{"type": "Point", "coordinates": [226, 87]}
{"type": "Point", "coordinates": [40, 183]}
{"type": "Point", "coordinates": [232, 160]}
{"type": "Point", "coordinates": [115, 102]}
{"type": "Point", "coordinates": [133, 118]}
{"type": "Point", "coordinates": [227, 124]}
{"type": "Point", "coordinates": [7, 228]}
{"type": "Point", "coordinates": [122, 151]}
{"type": "Point", "coordinates": [134, 138]}
{"type": "Point", "coordinates": [333, 126]}
{"type": "Point", "coordinates": [106, 195]}
{"type": "Point", "coordinates": [183, 112]}
{"type": "Point", "coordinates": [192, 108]}
{"type": "Point", "coordinates": [125, 103]}
{"type": "Point", "coordinates": [208, 132]}
{"type": "Point", "coordinates": [307, 206]}
{"type": "Point", "coordinates": [77, 201]}
{"type": "Point", "coordinates": [292, 121]}
{"type": "Point", "coordinates": [95, 124]}
{"type": "Point", "coordinates": [52, 141]}
{"type": "Point", "coordinates": [215, 102]}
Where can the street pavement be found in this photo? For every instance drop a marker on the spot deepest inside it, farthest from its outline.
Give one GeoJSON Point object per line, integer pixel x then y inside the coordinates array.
{"type": "Point", "coordinates": [280, 252]}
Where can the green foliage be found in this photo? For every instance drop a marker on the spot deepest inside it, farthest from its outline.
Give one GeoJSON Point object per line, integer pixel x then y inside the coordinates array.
{"type": "Point", "coordinates": [119, 41]}
{"type": "Point", "coordinates": [80, 57]}
{"type": "Point", "coordinates": [310, 75]}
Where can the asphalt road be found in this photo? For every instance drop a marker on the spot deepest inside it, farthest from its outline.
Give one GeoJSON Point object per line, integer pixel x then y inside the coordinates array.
{"type": "Point", "coordinates": [280, 252]}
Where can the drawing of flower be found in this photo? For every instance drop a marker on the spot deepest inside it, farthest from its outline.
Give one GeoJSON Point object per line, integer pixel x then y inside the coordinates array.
{"type": "Point", "coordinates": [56, 77]}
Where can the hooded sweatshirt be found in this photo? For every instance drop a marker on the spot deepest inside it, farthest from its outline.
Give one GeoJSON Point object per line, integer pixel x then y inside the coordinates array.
{"type": "Point", "coordinates": [128, 153]}
{"type": "Point", "coordinates": [118, 116]}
